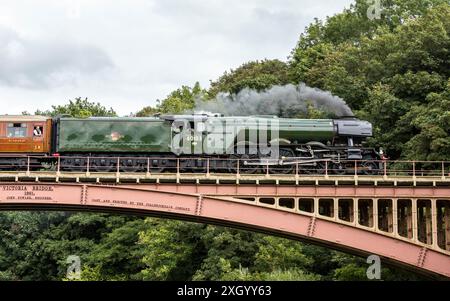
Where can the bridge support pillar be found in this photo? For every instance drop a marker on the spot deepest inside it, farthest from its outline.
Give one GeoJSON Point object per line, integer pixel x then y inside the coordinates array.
{"type": "Point", "coordinates": [316, 206]}
{"type": "Point", "coordinates": [404, 218]}
{"type": "Point", "coordinates": [447, 225]}
{"type": "Point", "coordinates": [390, 216]}
{"type": "Point", "coordinates": [434, 220]}
{"type": "Point", "coordinates": [385, 211]}
{"type": "Point", "coordinates": [374, 214]}
{"type": "Point", "coordinates": [346, 210]}
{"type": "Point", "coordinates": [414, 220]}
{"type": "Point", "coordinates": [425, 223]}
{"type": "Point", "coordinates": [429, 224]}
{"type": "Point", "coordinates": [366, 212]}
{"type": "Point", "coordinates": [394, 216]}
{"type": "Point", "coordinates": [326, 207]}
{"type": "Point", "coordinates": [336, 209]}
{"type": "Point", "coordinates": [443, 209]}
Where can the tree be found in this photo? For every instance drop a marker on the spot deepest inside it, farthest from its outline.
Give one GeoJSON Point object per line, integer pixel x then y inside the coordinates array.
{"type": "Point", "coordinates": [178, 101]}
{"type": "Point", "coordinates": [432, 125]}
{"type": "Point", "coordinates": [170, 250]}
{"type": "Point", "coordinates": [389, 74]}
{"type": "Point", "coordinates": [147, 112]}
{"type": "Point", "coordinates": [79, 108]}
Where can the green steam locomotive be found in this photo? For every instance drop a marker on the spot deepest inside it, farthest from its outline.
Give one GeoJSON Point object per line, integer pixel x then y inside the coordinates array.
{"type": "Point", "coordinates": [196, 142]}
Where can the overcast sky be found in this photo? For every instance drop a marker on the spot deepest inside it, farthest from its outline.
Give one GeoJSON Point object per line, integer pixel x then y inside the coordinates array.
{"type": "Point", "coordinates": [126, 54]}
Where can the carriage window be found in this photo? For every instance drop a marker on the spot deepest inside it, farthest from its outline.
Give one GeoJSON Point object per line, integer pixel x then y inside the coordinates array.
{"type": "Point", "coordinates": [17, 130]}
{"type": "Point", "coordinates": [37, 131]}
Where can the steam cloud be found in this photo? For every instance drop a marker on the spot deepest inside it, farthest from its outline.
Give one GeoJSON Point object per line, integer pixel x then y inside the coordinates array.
{"type": "Point", "coordinates": [284, 101]}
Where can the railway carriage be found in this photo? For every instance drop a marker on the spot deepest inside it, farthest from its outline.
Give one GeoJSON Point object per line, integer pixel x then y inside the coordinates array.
{"type": "Point", "coordinates": [21, 136]}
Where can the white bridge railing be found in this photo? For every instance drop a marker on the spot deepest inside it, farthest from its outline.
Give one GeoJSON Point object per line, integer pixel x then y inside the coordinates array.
{"type": "Point", "coordinates": [235, 166]}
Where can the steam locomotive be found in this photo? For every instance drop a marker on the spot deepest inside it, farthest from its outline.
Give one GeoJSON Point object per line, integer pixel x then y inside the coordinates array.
{"type": "Point", "coordinates": [195, 142]}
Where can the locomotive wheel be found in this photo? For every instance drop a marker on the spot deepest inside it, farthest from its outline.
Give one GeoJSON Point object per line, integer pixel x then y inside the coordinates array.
{"type": "Point", "coordinates": [129, 165]}
{"type": "Point", "coordinates": [161, 164]}
{"type": "Point", "coordinates": [338, 169]}
{"type": "Point", "coordinates": [248, 168]}
{"type": "Point", "coordinates": [283, 169]}
{"type": "Point", "coordinates": [103, 165]}
{"type": "Point", "coordinates": [200, 166]}
{"type": "Point", "coordinates": [193, 165]}
{"type": "Point", "coordinates": [186, 165]}
{"type": "Point", "coordinates": [20, 164]}
{"type": "Point", "coordinates": [233, 163]}
{"type": "Point", "coordinates": [318, 169]}
{"type": "Point", "coordinates": [370, 168]}
{"type": "Point", "coordinates": [74, 164]}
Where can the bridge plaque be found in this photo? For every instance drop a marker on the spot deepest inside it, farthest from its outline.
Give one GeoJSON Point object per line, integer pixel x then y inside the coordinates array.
{"type": "Point", "coordinates": [39, 194]}
{"type": "Point", "coordinates": [159, 201]}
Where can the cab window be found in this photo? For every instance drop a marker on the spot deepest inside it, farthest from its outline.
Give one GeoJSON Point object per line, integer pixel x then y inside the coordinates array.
{"type": "Point", "coordinates": [17, 130]}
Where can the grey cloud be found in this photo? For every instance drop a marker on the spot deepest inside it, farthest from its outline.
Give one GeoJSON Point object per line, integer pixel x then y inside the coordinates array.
{"type": "Point", "coordinates": [37, 64]}
{"type": "Point", "coordinates": [258, 28]}
{"type": "Point", "coordinates": [156, 46]}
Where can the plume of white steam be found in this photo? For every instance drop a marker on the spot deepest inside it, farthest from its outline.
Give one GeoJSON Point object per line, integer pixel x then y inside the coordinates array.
{"type": "Point", "coordinates": [283, 101]}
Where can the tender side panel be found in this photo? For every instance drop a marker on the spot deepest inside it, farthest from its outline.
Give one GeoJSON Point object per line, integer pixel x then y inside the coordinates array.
{"type": "Point", "coordinates": [113, 135]}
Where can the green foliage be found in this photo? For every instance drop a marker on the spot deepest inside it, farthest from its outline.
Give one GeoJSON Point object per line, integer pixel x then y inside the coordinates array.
{"type": "Point", "coordinates": [226, 250]}
{"type": "Point", "coordinates": [182, 99]}
{"type": "Point", "coordinates": [91, 274]}
{"type": "Point", "coordinates": [178, 101]}
{"type": "Point", "coordinates": [276, 254]}
{"type": "Point", "coordinates": [80, 108]}
{"type": "Point", "coordinates": [350, 272]}
{"type": "Point", "coordinates": [289, 275]}
{"type": "Point", "coordinates": [170, 250]}
{"type": "Point", "coordinates": [432, 125]}
{"type": "Point", "coordinates": [393, 71]}
{"type": "Point", "coordinates": [125, 248]}
{"type": "Point", "coordinates": [147, 112]}
{"type": "Point", "coordinates": [118, 254]}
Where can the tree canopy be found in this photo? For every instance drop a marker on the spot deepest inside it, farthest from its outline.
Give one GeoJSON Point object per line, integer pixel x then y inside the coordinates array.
{"type": "Point", "coordinates": [80, 108]}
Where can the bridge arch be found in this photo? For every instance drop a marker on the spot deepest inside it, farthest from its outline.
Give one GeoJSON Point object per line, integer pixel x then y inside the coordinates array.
{"type": "Point", "coordinates": [195, 205]}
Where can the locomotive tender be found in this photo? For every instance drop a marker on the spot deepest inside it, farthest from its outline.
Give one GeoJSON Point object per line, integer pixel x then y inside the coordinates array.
{"type": "Point", "coordinates": [159, 143]}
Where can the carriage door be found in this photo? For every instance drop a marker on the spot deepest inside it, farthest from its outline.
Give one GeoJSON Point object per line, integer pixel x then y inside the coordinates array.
{"type": "Point", "coordinates": [38, 137]}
